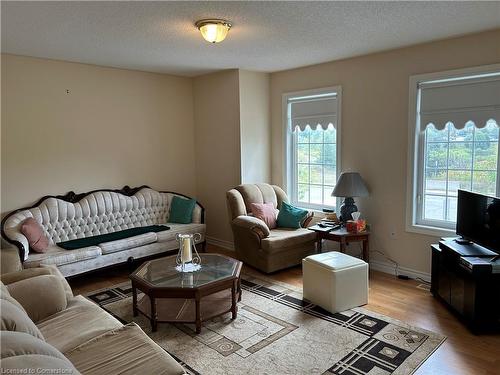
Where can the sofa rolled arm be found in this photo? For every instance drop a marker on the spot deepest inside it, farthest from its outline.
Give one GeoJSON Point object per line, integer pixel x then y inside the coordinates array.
{"type": "Point", "coordinates": [254, 224]}
{"type": "Point", "coordinates": [18, 240]}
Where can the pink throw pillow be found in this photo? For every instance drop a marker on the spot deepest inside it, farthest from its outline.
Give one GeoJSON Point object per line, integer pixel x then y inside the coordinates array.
{"type": "Point", "coordinates": [33, 231]}
{"type": "Point", "coordinates": [265, 212]}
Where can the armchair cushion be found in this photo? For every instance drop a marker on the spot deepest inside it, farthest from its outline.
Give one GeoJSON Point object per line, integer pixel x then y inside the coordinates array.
{"type": "Point", "coordinates": [28, 273]}
{"type": "Point", "coordinates": [20, 343]}
{"type": "Point", "coordinates": [13, 277]}
{"type": "Point", "coordinates": [290, 216]}
{"type": "Point", "coordinates": [55, 271]}
{"type": "Point", "coordinates": [100, 355]}
{"type": "Point", "coordinates": [283, 238]}
{"type": "Point", "coordinates": [254, 224]}
{"type": "Point", "coordinates": [21, 351]}
{"type": "Point", "coordinates": [14, 318]}
{"type": "Point", "coordinates": [4, 294]}
{"type": "Point", "coordinates": [44, 364]}
{"type": "Point", "coordinates": [41, 296]}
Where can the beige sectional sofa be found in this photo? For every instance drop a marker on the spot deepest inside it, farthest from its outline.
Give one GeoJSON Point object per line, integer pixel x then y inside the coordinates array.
{"type": "Point", "coordinates": [45, 327]}
{"type": "Point", "coordinates": [76, 216]}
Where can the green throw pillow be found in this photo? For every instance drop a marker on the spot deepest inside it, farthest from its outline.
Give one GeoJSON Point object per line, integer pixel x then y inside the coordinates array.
{"type": "Point", "coordinates": [181, 210]}
{"type": "Point", "coordinates": [290, 216]}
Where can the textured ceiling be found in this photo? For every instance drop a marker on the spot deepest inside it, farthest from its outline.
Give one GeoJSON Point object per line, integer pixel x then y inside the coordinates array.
{"type": "Point", "coordinates": [267, 36]}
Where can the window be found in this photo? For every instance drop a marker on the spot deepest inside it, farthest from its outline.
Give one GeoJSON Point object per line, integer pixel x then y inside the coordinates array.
{"type": "Point", "coordinates": [312, 162]}
{"type": "Point", "coordinates": [455, 139]}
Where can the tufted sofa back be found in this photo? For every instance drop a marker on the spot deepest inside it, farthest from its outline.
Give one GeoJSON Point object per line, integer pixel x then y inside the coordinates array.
{"type": "Point", "coordinates": [97, 213]}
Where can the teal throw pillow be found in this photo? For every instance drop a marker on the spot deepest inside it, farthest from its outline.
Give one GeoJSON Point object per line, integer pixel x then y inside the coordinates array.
{"type": "Point", "coordinates": [181, 210]}
{"type": "Point", "coordinates": [290, 216]}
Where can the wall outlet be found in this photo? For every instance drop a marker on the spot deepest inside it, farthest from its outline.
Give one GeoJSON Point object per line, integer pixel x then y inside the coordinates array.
{"type": "Point", "coordinates": [393, 234]}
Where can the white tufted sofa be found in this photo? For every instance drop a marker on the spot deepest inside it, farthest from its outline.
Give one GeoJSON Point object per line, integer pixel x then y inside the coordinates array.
{"type": "Point", "coordinates": [69, 217]}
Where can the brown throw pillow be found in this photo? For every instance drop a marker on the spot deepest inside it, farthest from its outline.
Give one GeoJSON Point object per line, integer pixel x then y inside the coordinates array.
{"type": "Point", "coordinates": [34, 234]}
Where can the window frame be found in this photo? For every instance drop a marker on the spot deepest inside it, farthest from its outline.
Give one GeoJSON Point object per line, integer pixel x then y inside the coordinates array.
{"type": "Point", "coordinates": [290, 144]}
{"type": "Point", "coordinates": [416, 153]}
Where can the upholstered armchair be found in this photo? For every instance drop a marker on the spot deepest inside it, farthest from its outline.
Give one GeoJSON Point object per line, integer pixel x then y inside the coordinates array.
{"type": "Point", "coordinates": [257, 245]}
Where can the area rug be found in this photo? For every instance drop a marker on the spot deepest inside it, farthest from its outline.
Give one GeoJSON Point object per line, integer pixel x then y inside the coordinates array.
{"type": "Point", "coordinates": [276, 332]}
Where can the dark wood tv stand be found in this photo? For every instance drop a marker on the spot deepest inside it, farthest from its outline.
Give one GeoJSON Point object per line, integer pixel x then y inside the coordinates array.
{"type": "Point", "coordinates": [464, 280]}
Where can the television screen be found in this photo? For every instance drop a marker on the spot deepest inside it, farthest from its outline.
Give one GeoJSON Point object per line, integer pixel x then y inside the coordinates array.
{"type": "Point", "coordinates": [478, 219]}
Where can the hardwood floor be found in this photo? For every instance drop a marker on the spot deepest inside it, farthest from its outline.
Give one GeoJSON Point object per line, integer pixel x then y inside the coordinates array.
{"type": "Point", "coordinates": [462, 352]}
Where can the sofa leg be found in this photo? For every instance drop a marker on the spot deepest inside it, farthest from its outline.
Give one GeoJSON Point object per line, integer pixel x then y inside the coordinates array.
{"type": "Point", "coordinates": [204, 247]}
{"type": "Point", "coordinates": [130, 264]}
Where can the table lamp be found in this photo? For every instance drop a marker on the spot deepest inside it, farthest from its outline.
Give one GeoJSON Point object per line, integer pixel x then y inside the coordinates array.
{"type": "Point", "coordinates": [349, 184]}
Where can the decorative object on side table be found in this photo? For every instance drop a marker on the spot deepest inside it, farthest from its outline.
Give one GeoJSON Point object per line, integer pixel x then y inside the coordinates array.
{"type": "Point", "coordinates": [186, 260]}
{"type": "Point", "coordinates": [349, 185]}
{"type": "Point", "coordinates": [356, 225]}
{"type": "Point", "coordinates": [330, 215]}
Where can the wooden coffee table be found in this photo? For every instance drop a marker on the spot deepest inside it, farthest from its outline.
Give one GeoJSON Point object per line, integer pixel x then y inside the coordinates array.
{"type": "Point", "coordinates": [171, 296]}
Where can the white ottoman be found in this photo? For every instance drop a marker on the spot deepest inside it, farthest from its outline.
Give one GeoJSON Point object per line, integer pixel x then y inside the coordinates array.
{"type": "Point", "coordinates": [335, 281]}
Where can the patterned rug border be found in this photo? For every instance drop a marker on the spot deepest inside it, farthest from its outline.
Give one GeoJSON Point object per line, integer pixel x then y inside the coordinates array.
{"type": "Point", "coordinates": [253, 276]}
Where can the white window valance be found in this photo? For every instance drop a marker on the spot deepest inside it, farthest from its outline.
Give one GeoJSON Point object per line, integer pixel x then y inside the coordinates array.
{"type": "Point", "coordinates": [313, 112]}
{"type": "Point", "coordinates": [460, 101]}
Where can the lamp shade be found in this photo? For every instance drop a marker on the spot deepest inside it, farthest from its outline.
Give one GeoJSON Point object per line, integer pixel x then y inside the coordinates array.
{"type": "Point", "coordinates": [350, 184]}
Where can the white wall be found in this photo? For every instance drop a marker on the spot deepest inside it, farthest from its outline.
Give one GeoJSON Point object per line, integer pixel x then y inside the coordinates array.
{"type": "Point", "coordinates": [217, 119]}
{"type": "Point", "coordinates": [114, 127]}
{"type": "Point", "coordinates": [375, 127]}
{"type": "Point", "coordinates": [255, 127]}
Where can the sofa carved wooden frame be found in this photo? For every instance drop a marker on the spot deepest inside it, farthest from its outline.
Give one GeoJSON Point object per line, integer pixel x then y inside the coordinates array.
{"type": "Point", "coordinates": [72, 197]}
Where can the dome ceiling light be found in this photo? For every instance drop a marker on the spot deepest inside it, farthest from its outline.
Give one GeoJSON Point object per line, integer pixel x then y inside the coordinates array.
{"type": "Point", "coordinates": [213, 30]}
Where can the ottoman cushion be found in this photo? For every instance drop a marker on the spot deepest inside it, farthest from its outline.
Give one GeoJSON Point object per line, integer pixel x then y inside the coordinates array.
{"type": "Point", "coordinates": [335, 281]}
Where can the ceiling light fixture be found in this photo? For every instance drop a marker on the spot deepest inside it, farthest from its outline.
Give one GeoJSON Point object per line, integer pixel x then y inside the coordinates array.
{"type": "Point", "coordinates": [213, 30]}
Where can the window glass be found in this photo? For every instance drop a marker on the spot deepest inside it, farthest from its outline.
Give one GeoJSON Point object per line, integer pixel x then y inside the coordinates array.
{"type": "Point", "coordinates": [316, 166]}
{"type": "Point", "coordinates": [455, 159]}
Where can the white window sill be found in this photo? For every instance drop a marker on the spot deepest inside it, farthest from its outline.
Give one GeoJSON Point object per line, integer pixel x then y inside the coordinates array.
{"type": "Point", "coordinates": [431, 231]}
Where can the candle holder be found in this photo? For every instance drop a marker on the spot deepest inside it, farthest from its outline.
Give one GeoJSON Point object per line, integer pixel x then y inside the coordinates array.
{"type": "Point", "coordinates": [188, 259]}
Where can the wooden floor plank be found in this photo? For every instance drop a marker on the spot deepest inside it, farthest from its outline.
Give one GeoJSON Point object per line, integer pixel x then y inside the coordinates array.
{"type": "Point", "coordinates": [462, 353]}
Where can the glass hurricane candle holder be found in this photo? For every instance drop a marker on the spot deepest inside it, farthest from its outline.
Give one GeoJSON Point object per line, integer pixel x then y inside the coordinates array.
{"type": "Point", "coordinates": [188, 259]}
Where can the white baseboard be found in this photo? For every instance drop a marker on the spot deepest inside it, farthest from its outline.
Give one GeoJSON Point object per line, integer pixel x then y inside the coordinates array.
{"type": "Point", "coordinates": [228, 245]}
{"type": "Point", "coordinates": [389, 268]}
{"type": "Point", "coordinates": [377, 265]}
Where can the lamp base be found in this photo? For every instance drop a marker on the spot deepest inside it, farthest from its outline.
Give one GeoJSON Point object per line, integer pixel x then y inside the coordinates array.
{"type": "Point", "coordinates": [347, 208]}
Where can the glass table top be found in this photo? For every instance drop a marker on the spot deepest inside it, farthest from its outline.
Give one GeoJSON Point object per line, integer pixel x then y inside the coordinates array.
{"type": "Point", "coordinates": [162, 273]}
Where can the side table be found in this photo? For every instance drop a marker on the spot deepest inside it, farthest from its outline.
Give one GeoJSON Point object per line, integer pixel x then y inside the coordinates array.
{"type": "Point", "coordinates": [342, 236]}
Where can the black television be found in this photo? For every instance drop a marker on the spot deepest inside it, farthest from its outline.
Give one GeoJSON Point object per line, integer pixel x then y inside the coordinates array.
{"type": "Point", "coordinates": [478, 219]}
